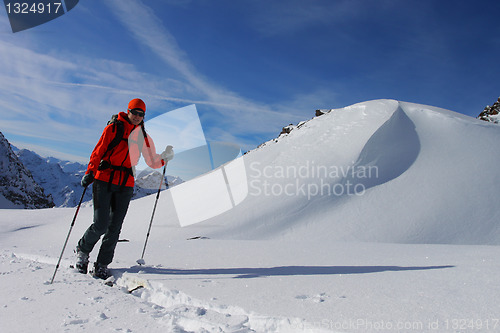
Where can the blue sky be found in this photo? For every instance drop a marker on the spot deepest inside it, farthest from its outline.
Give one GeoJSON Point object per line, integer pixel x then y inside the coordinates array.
{"type": "Point", "coordinates": [250, 66]}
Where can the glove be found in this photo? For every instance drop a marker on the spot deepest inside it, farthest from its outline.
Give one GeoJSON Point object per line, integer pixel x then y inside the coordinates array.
{"type": "Point", "coordinates": [87, 179]}
{"type": "Point", "coordinates": [168, 154]}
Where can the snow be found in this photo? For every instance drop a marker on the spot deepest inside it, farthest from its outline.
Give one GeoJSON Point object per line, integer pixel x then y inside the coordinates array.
{"type": "Point", "coordinates": [416, 250]}
{"type": "Point", "coordinates": [4, 203]}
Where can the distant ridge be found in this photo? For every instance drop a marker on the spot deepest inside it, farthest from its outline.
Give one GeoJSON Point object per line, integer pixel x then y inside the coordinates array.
{"type": "Point", "coordinates": [18, 189]}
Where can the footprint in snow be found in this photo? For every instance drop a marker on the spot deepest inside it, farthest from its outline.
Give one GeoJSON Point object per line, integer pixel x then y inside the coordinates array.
{"type": "Point", "coordinates": [319, 298]}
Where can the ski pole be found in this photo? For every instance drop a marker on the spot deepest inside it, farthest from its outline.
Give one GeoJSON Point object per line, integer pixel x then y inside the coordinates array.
{"type": "Point", "coordinates": [69, 232]}
{"type": "Point", "coordinates": [141, 261]}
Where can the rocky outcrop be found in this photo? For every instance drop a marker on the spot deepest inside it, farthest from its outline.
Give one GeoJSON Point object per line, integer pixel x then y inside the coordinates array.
{"type": "Point", "coordinates": [491, 113]}
{"type": "Point", "coordinates": [17, 186]}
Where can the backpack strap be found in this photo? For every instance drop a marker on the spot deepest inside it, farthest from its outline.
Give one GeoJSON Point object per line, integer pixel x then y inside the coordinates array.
{"type": "Point", "coordinates": [118, 129]}
{"type": "Point", "coordinates": [145, 134]}
{"type": "Point", "coordinates": [146, 140]}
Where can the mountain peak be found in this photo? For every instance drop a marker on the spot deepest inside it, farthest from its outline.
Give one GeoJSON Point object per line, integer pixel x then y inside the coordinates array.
{"type": "Point", "coordinates": [18, 189]}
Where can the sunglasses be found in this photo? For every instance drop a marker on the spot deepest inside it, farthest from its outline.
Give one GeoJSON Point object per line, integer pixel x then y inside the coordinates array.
{"type": "Point", "coordinates": [137, 112]}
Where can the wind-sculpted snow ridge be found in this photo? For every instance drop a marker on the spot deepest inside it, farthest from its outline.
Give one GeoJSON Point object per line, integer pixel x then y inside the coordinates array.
{"type": "Point", "coordinates": [383, 171]}
{"type": "Point", "coordinates": [389, 152]}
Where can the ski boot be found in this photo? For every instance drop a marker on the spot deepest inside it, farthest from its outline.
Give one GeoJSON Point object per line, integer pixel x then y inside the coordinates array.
{"type": "Point", "coordinates": [82, 261]}
{"type": "Point", "coordinates": [101, 271]}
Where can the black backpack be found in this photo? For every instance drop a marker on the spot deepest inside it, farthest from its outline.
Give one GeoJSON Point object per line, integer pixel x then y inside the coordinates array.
{"type": "Point", "coordinates": [119, 130]}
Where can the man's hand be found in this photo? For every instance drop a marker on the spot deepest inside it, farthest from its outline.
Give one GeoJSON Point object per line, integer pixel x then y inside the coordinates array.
{"type": "Point", "coordinates": [87, 179]}
{"type": "Point", "coordinates": [168, 154]}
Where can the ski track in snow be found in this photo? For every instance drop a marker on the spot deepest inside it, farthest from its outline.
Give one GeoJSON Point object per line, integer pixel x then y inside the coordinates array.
{"type": "Point", "coordinates": [86, 303]}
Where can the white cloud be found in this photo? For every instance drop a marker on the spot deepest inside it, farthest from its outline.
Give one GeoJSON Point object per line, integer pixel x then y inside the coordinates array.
{"type": "Point", "coordinates": [236, 113]}
{"type": "Point", "coordinates": [47, 97]}
{"type": "Point", "coordinates": [59, 97]}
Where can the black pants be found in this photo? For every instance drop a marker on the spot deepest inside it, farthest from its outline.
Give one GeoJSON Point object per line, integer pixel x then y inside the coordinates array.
{"type": "Point", "coordinates": [110, 207]}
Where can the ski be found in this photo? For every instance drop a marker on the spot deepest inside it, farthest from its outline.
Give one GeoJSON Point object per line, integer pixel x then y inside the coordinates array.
{"type": "Point", "coordinates": [130, 291]}
{"type": "Point", "coordinates": [197, 237]}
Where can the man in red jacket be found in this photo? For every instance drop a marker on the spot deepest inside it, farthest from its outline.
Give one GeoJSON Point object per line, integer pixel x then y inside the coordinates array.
{"type": "Point", "coordinates": [111, 170]}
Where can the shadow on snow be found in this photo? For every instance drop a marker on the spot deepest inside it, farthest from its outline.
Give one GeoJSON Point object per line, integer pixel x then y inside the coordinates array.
{"type": "Point", "coordinates": [240, 273]}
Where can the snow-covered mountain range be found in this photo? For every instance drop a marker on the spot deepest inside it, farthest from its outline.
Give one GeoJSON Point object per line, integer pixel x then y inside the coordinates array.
{"type": "Point", "coordinates": [59, 180]}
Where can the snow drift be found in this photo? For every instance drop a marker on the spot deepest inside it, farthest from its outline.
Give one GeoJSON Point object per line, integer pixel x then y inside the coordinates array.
{"type": "Point", "coordinates": [382, 171]}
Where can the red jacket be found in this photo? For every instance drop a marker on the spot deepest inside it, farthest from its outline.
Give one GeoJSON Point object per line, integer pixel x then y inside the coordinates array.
{"type": "Point", "coordinates": [116, 164]}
